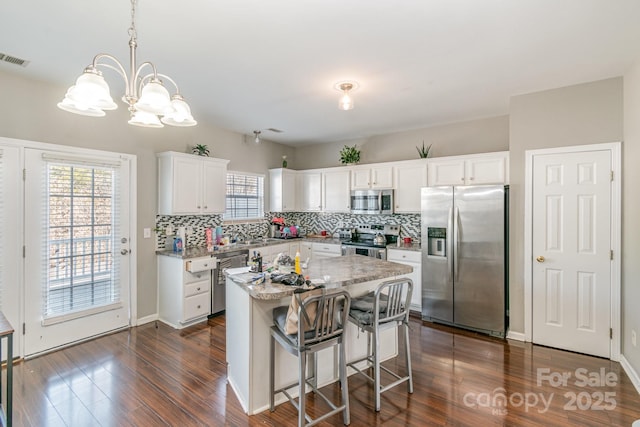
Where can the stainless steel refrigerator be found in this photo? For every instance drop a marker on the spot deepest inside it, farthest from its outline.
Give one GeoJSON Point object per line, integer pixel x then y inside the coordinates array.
{"type": "Point", "coordinates": [464, 256]}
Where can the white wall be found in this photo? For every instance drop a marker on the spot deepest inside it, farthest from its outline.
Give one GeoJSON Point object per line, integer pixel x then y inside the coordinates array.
{"type": "Point", "coordinates": [630, 217]}
{"type": "Point", "coordinates": [28, 111]}
{"type": "Point", "coordinates": [470, 137]}
{"type": "Point", "coordinates": [588, 113]}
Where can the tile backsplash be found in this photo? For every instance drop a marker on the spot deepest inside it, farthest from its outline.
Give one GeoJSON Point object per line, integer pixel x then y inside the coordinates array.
{"type": "Point", "coordinates": [310, 222]}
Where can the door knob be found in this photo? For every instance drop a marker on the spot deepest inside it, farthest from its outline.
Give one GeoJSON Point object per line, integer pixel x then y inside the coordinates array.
{"type": "Point", "coordinates": [540, 258]}
{"type": "Point", "coordinates": [124, 252]}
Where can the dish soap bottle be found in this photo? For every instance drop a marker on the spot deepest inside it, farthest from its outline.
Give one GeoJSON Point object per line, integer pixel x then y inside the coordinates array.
{"type": "Point", "coordinates": [297, 263]}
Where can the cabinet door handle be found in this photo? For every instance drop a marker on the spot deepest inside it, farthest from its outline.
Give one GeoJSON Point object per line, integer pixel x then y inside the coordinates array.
{"type": "Point", "coordinates": [205, 206]}
{"type": "Point", "coordinates": [198, 289]}
{"type": "Point", "coordinates": [471, 179]}
{"type": "Point", "coordinates": [198, 307]}
{"type": "Point", "coordinates": [198, 206]}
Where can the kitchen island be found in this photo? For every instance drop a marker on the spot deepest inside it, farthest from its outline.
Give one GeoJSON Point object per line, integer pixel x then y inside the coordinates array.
{"type": "Point", "coordinates": [249, 319]}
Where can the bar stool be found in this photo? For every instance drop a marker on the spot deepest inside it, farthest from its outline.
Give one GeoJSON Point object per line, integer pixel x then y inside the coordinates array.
{"type": "Point", "coordinates": [385, 308]}
{"type": "Point", "coordinates": [325, 316]}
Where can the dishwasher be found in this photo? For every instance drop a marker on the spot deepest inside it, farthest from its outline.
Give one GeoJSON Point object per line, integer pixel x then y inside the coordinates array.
{"type": "Point", "coordinates": [231, 259]}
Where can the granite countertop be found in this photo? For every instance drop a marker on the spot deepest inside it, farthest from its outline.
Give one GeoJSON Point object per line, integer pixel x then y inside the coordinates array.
{"type": "Point", "coordinates": [201, 251]}
{"type": "Point", "coordinates": [343, 271]}
{"type": "Point", "coordinates": [406, 247]}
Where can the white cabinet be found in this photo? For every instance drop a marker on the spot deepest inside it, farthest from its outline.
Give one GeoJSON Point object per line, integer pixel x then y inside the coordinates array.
{"type": "Point", "coordinates": [310, 191]}
{"type": "Point", "coordinates": [371, 177]}
{"type": "Point", "coordinates": [325, 250]}
{"type": "Point", "coordinates": [189, 185]}
{"type": "Point", "coordinates": [409, 178]}
{"type": "Point", "coordinates": [490, 168]}
{"type": "Point", "coordinates": [184, 298]}
{"type": "Point", "coordinates": [282, 190]}
{"type": "Point", "coordinates": [306, 249]}
{"type": "Point", "coordinates": [336, 189]}
{"type": "Point", "coordinates": [413, 259]}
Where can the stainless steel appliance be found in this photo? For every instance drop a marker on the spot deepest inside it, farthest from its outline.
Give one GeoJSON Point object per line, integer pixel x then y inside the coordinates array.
{"type": "Point", "coordinates": [372, 201]}
{"type": "Point", "coordinates": [464, 257]}
{"type": "Point", "coordinates": [371, 240]}
{"type": "Point", "coordinates": [226, 260]}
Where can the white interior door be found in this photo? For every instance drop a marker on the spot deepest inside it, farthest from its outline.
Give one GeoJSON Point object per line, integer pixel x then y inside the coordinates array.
{"type": "Point", "coordinates": [77, 266]}
{"type": "Point", "coordinates": [571, 250]}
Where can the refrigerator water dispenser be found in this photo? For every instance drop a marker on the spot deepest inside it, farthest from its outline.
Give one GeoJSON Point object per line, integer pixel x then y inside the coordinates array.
{"type": "Point", "coordinates": [437, 239]}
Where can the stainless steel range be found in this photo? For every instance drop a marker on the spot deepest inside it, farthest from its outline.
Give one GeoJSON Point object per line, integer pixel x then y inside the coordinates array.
{"type": "Point", "coordinates": [371, 240]}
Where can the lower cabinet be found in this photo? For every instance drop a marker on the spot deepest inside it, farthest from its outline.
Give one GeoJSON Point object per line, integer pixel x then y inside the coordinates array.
{"type": "Point", "coordinates": [325, 250]}
{"type": "Point", "coordinates": [184, 298]}
{"type": "Point", "coordinates": [413, 259]}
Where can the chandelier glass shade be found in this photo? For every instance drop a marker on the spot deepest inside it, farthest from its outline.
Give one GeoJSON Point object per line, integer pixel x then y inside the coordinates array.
{"type": "Point", "coordinates": [150, 104]}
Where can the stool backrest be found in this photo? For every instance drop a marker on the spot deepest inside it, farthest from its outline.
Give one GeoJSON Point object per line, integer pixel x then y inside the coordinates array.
{"type": "Point", "coordinates": [398, 298]}
{"type": "Point", "coordinates": [324, 315]}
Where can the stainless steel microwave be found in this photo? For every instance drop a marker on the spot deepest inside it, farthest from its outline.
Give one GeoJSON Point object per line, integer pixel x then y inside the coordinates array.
{"type": "Point", "coordinates": [372, 201]}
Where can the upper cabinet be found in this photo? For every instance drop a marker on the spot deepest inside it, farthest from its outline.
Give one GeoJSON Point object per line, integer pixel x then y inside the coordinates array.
{"type": "Point", "coordinates": [409, 179]}
{"type": "Point", "coordinates": [282, 190]}
{"type": "Point", "coordinates": [190, 185]}
{"type": "Point", "coordinates": [310, 191]}
{"type": "Point", "coordinates": [336, 190]}
{"type": "Point", "coordinates": [490, 168]}
{"type": "Point", "coordinates": [372, 176]}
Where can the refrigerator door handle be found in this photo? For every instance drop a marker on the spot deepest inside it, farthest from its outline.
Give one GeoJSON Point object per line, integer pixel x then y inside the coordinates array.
{"type": "Point", "coordinates": [449, 243]}
{"type": "Point", "coordinates": [456, 242]}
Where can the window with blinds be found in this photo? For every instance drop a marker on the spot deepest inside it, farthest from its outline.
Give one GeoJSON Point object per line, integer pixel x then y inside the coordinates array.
{"type": "Point", "coordinates": [81, 221]}
{"type": "Point", "coordinates": [245, 196]}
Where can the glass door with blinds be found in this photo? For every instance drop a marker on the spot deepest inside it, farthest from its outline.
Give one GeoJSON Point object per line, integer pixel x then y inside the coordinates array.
{"type": "Point", "coordinates": [77, 246]}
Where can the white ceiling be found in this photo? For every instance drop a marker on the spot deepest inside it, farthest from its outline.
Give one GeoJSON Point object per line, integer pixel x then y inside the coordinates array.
{"type": "Point", "coordinates": [254, 64]}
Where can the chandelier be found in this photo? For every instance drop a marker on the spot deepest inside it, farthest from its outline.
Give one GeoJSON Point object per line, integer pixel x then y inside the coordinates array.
{"type": "Point", "coordinates": [149, 102]}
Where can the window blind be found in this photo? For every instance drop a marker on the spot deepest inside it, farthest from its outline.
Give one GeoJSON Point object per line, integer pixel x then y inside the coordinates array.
{"type": "Point", "coordinates": [245, 196]}
{"type": "Point", "coordinates": [82, 217]}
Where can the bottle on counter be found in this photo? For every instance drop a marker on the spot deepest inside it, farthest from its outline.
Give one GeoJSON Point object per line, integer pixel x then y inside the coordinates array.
{"type": "Point", "coordinates": [297, 263]}
{"type": "Point", "coordinates": [177, 244]}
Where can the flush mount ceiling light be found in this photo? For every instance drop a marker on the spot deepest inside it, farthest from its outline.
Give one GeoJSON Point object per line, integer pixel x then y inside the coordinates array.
{"type": "Point", "coordinates": [346, 101]}
{"type": "Point", "coordinates": [148, 100]}
{"type": "Point", "coordinates": [257, 136]}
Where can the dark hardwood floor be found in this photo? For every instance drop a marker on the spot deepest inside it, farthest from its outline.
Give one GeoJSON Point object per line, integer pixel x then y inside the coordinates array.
{"type": "Point", "coordinates": [156, 376]}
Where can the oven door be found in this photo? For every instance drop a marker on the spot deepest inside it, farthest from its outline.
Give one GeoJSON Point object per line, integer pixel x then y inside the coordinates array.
{"type": "Point", "coordinates": [380, 253]}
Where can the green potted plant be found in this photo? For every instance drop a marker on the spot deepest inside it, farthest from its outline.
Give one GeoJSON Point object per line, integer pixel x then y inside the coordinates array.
{"type": "Point", "coordinates": [424, 151]}
{"type": "Point", "coordinates": [349, 155]}
{"type": "Point", "coordinates": [200, 150]}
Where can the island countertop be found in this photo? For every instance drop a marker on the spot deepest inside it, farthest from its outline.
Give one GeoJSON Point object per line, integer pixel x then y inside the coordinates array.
{"type": "Point", "coordinates": [341, 271]}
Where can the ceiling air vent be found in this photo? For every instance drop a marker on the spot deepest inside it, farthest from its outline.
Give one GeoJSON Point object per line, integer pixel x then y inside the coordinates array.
{"type": "Point", "coordinates": [13, 60]}
{"type": "Point", "coordinates": [275, 130]}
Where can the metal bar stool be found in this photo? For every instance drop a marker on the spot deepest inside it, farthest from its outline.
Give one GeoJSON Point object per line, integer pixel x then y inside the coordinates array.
{"type": "Point", "coordinates": [386, 307]}
{"type": "Point", "coordinates": [322, 317]}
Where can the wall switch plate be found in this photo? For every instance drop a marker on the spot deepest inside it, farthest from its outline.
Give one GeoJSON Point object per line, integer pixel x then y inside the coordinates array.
{"type": "Point", "coordinates": [633, 337]}
{"type": "Point", "coordinates": [147, 233]}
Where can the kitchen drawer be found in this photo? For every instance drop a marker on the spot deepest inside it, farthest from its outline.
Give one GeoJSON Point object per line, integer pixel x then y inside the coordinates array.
{"type": "Point", "coordinates": [197, 306]}
{"type": "Point", "coordinates": [404, 256]}
{"type": "Point", "coordinates": [327, 248]}
{"type": "Point", "coordinates": [196, 265]}
{"type": "Point", "coordinates": [196, 288]}
{"type": "Point", "coordinates": [196, 277]}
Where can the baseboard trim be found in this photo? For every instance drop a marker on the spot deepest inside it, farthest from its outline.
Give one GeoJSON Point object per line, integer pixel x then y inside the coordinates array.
{"type": "Point", "coordinates": [517, 336]}
{"type": "Point", "coordinates": [147, 319]}
{"type": "Point", "coordinates": [633, 375]}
